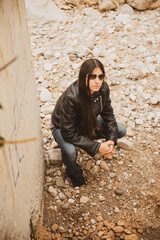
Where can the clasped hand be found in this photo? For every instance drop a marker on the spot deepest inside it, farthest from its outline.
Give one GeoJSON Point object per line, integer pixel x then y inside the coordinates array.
{"type": "Point", "coordinates": [106, 148]}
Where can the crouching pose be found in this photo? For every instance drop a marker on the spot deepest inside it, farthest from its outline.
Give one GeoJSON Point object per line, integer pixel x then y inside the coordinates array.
{"type": "Point", "coordinates": [83, 113]}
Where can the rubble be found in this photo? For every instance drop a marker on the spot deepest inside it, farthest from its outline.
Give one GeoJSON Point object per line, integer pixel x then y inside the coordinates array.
{"type": "Point", "coordinates": [120, 199]}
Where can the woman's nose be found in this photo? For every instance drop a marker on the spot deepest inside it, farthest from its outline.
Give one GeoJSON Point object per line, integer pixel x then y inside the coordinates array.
{"type": "Point", "coordinates": [97, 79]}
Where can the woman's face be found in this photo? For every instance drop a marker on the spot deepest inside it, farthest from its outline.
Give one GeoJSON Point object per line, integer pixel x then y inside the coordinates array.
{"type": "Point", "coordinates": [95, 80]}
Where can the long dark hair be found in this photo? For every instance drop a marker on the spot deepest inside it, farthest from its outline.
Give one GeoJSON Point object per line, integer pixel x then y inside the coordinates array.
{"type": "Point", "coordinates": [89, 118]}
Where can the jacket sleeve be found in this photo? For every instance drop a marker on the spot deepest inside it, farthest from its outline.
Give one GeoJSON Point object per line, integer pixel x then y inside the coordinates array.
{"type": "Point", "coordinates": [109, 120]}
{"type": "Point", "coordinates": [69, 129]}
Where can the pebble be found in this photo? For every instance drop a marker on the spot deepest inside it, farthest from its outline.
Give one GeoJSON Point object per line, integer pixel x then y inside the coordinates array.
{"type": "Point", "coordinates": [95, 169]}
{"type": "Point", "coordinates": [89, 165]}
{"type": "Point", "coordinates": [104, 166]}
{"type": "Point", "coordinates": [132, 97]}
{"type": "Point", "coordinates": [65, 206]}
{"type": "Point", "coordinates": [118, 229]}
{"type": "Point", "coordinates": [45, 95]}
{"type": "Point", "coordinates": [60, 182]}
{"type": "Point", "coordinates": [139, 121]}
{"type": "Point", "coordinates": [40, 79]}
{"type": "Point", "coordinates": [70, 200]}
{"type": "Point", "coordinates": [118, 192]}
{"type": "Point", "coordinates": [131, 237]}
{"type": "Point", "coordinates": [102, 183]}
{"type": "Point", "coordinates": [124, 143]}
{"type": "Point", "coordinates": [48, 66]}
{"type": "Point", "coordinates": [116, 210]}
{"type": "Point", "coordinates": [48, 110]}
{"type": "Point", "coordinates": [84, 199]}
{"type": "Point", "coordinates": [48, 54]}
{"type": "Point", "coordinates": [112, 174]}
{"type": "Point", "coordinates": [54, 227]}
{"type": "Point", "coordinates": [93, 221]}
{"type": "Point", "coordinates": [55, 155]}
{"type": "Point", "coordinates": [62, 196]}
{"type": "Point", "coordinates": [154, 100]}
{"type": "Point", "coordinates": [101, 198]}
{"type": "Point", "coordinates": [53, 191]}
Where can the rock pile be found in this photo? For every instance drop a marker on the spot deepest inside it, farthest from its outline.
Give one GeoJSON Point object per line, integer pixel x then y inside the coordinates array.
{"type": "Point", "coordinates": [105, 5]}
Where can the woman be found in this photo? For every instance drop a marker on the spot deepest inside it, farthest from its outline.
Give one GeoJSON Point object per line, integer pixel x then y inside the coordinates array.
{"type": "Point", "coordinates": [82, 114]}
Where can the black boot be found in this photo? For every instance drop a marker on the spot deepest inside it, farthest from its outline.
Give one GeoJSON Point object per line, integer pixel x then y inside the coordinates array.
{"type": "Point", "coordinates": [77, 181]}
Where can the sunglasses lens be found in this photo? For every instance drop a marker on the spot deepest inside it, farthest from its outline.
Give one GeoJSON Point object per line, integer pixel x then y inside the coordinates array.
{"type": "Point", "coordinates": [101, 77]}
{"type": "Point", "coordinates": [93, 76]}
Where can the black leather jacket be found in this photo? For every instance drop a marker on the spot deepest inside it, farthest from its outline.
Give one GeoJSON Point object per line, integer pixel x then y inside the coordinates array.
{"type": "Point", "coordinates": [67, 116]}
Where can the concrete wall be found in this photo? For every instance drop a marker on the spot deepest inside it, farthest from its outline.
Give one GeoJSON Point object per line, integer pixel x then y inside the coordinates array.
{"type": "Point", "coordinates": [21, 164]}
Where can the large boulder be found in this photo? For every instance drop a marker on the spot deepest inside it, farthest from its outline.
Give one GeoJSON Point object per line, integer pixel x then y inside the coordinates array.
{"type": "Point", "coordinates": [143, 4]}
{"type": "Point", "coordinates": [45, 10]}
{"type": "Point", "coordinates": [105, 5]}
{"type": "Point", "coordinates": [91, 2]}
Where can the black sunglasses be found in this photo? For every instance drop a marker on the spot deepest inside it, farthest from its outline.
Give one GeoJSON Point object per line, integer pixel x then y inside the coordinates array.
{"type": "Point", "coordinates": [94, 76]}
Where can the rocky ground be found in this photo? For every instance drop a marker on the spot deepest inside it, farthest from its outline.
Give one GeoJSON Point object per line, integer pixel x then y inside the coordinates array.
{"type": "Point", "coordinates": [122, 197]}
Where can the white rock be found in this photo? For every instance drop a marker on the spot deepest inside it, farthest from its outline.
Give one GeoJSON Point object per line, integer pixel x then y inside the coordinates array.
{"type": "Point", "coordinates": [62, 196]}
{"type": "Point", "coordinates": [48, 66]}
{"type": "Point", "coordinates": [146, 95]}
{"type": "Point", "coordinates": [93, 221]}
{"type": "Point", "coordinates": [44, 10]}
{"type": "Point", "coordinates": [48, 110]}
{"type": "Point", "coordinates": [40, 79]}
{"type": "Point", "coordinates": [84, 199]}
{"type": "Point", "coordinates": [126, 9]}
{"type": "Point", "coordinates": [112, 174]}
{"type": "Point", "coordinates": [123, 18]}
{"type": "Point", "coordinates": [116, 210]}
{"type": "Point", "coordinates": [152, 68]}
{"type": "Point", "coordinates": [48, 54]}
{"type": "Point", "coordinates": [154, 100]}
{"type": "Point", "coordinates": [96, 52]}
{"type": "Point", "coordinates": [45, 95]}
{"type": "Point", "coordinates": [124, 143]}
{"type": "Point", "coordinates": [39, 51]}
{"type": "Point", "coordinates": [70, 200]}
{"type": "Point", "coordinates": [53, 191]}
{"type": "Point", "coordinates": [91, 12]}
{"type": "Point", "coordinates": [101, 198]}
{"type": "Point", "coordinates": [139, 121]}
{"type": "Point", "coordinates": [57, 54]}
{"type": "Point", "coordinates": [132, 97]}
{"type": "Point", "coordinates": [102, 183]}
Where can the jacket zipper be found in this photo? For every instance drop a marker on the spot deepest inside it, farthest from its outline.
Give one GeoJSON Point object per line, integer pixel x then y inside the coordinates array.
{"type": "Point", "coordinates": [101, 102]}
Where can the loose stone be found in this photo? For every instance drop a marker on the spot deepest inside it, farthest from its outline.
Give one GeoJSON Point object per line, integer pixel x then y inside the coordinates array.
{"type": "Point", "coordinates": [70, 200]}
{"type": "Point", "coordinates": [45, 95]}
{"type": "Point", "coordinates": [118, 229]}
{"type": "Point", "coordinates": [131, 237]}
{"type": "Point", "coordinates": [104, 166]}
{"type": "Point", "coordinates": [84, 199]}
{"type": "Point", "coordinates": [124, 143]}
{"type": "Point", "coordinates": [53, 191]}
{"type": "Point", "coordinates": [60, 182]}
{"type": "Point", "coordinates": [54, 227]}
{"type": "Point", "coordinates": [118, 192]}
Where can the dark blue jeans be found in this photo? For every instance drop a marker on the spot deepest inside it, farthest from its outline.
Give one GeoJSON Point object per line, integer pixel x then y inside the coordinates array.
{"type": "Point", "coordinates": [69, 151]}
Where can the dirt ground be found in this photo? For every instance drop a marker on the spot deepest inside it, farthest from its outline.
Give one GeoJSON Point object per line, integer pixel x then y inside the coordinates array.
{"type": "Point", "coordinates": [123, 201]}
